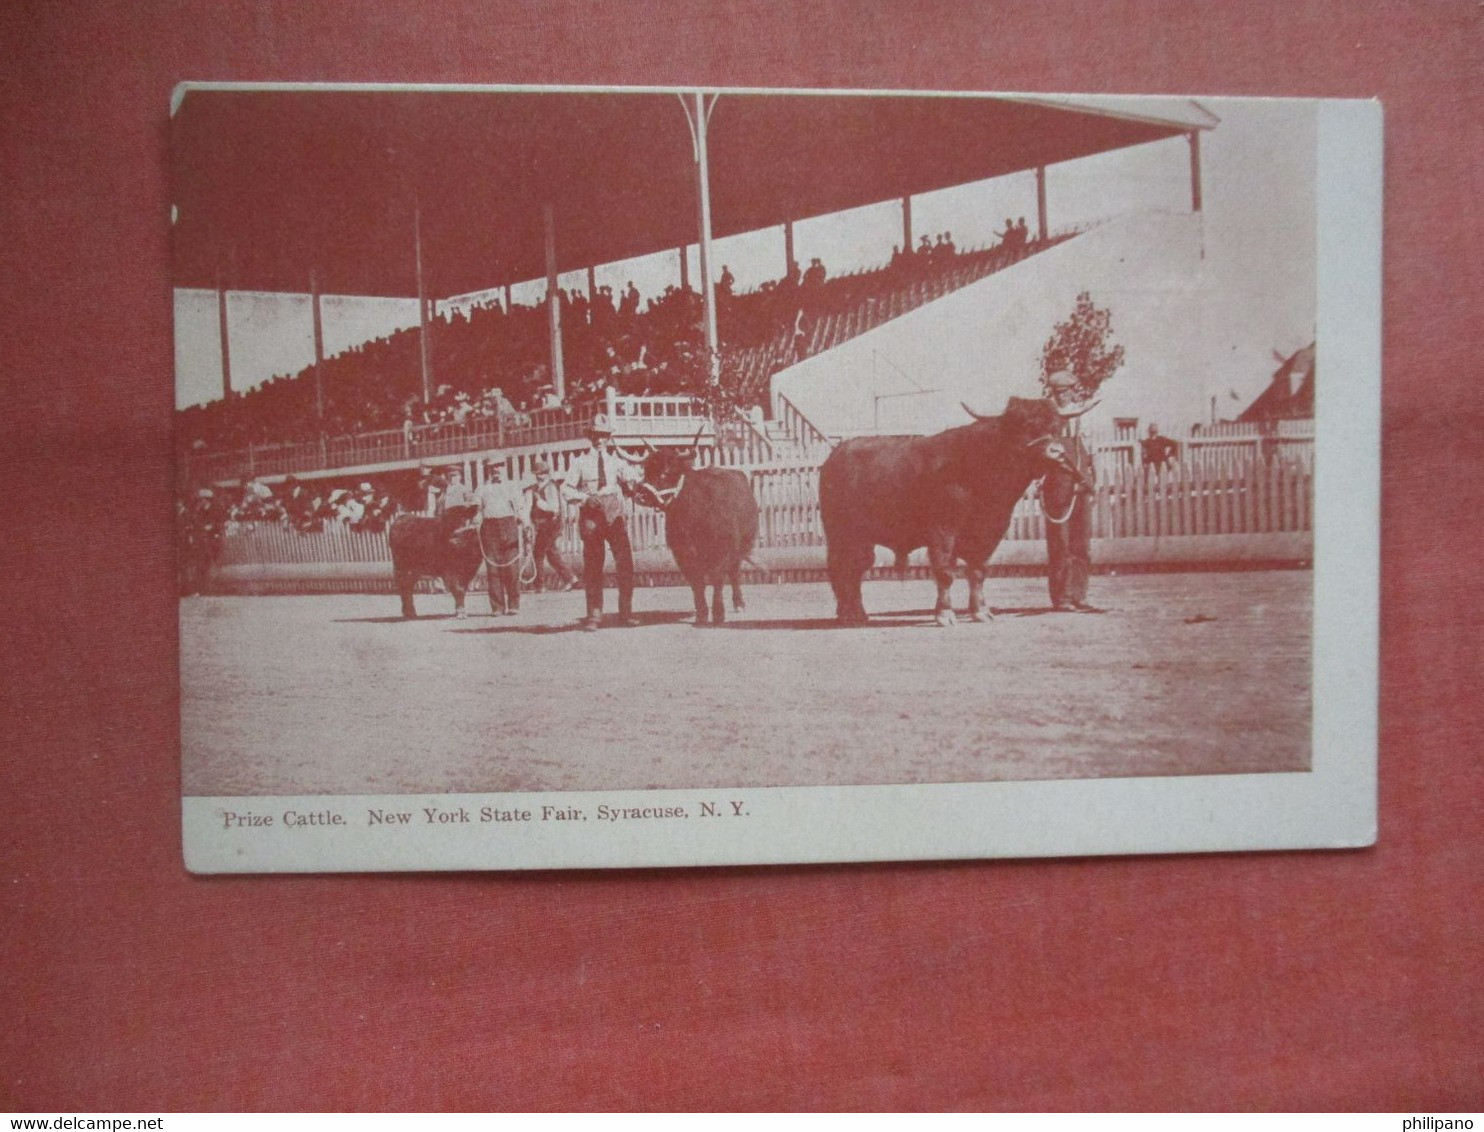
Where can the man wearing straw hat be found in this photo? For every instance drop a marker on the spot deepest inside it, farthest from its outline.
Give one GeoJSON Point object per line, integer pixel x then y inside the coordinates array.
{"type": "Point", "coordinates": [596, 480]}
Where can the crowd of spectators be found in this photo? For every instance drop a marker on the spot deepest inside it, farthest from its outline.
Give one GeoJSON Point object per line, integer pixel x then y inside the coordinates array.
{"type": "Point", "coordinates": [492, 362]}
{"type": "Point", "coordinates": [303, 506]}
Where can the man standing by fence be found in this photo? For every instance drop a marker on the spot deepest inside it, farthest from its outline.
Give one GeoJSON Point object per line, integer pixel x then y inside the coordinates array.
{"type": "Point", "coordinates": [595, 480]}
{"type": "Point", "coordinates": [1066, 503]}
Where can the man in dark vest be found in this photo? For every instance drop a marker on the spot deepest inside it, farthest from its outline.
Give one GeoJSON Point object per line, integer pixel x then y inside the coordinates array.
{"type": "Point", "coordinates": [597, 480]}
{"type": "Point", "coordinates": [1066, 502]}
{"type": "Point", "coordinates": [546, 506]}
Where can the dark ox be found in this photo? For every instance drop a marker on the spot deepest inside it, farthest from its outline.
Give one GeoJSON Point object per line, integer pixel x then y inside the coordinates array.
{"type": "Point", "coordinates": [952, 493]}
{"type": "Point", "coordinates": [710, 523]}
{"type": "Point", "coordinates": [444, 547]}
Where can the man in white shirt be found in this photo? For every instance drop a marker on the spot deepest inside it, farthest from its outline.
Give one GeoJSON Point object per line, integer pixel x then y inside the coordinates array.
{"type": "Point", "coordinates": [456, 494]}
{"type": "Point", "coordinates": [501, 517]}
{"type": "Point", "coordinates": [597, 481]}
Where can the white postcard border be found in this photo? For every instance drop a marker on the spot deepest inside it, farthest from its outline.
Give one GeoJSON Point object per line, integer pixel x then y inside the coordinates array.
{"type": "Point", "coordinates": [1331, 806]}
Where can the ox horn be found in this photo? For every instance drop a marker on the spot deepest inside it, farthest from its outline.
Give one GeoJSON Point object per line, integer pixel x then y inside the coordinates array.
{"type": "Point", "coordinates": [649, 447]}
{"type": "Point", "coordinates": [1067, 412]}
{"type": "Point", "coordinates": [976, 416]}
{"type": "Point", "coordinates": [700, 432]}
{"type": "Point", "coordinates": [621, 454]}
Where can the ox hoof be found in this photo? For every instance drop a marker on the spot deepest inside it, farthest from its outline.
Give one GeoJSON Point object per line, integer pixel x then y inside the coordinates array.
{"type": "Point", "coordinates": [946, 619]}
{"type": "Point", "coordinates": [983, 616]}
{"type": "Point", "coordinates": [461, 615]}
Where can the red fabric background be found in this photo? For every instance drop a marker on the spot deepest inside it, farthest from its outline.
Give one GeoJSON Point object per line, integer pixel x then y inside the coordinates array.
{"type": "Point", "coordinates": [1261, 981]}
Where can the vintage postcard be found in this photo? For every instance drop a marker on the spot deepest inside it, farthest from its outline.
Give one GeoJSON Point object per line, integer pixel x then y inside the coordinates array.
{"type": "Point", "coordinates": [632, 477]}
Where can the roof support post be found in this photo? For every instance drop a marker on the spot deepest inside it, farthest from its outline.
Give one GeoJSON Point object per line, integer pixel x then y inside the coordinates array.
{"type": "Point", "coordinates": [1041, 227]}
{"type": "Point", "coordinates": [319, 348]}
{"type": "Point", "coordinates": [788, 249]}
{"type": "Point", "coordinates": [685, 267]}
{"type": "Point", "coordinates": [698, 117]}
{"type": "Point", "coordinates": [554, 305]}
{"type": "Point", "coordinates": [907, 224]}
{"type": "Point", "coordinates": [592, 289]}
{"type": "Point", "coordinates": [221, 319]}
{"type": "Point", "coordinates": [1194, 137]}
{"type": "Point", "coordinates": [424, 353]}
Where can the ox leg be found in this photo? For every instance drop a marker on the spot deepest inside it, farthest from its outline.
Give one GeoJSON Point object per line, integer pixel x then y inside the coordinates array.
{"type": "Point", "coordinates": [698, 594]}
{"type": "Point", "coordinates": [737, 603]}
{"type": "Point", "coordinates": [978, 610]}
{"type": "Point", "coordinates": [718, 602]}
{"type": "Point", "coordinates": [456, 588]}
{"type": "Point", "coordinates": [848, 566]}
{"type": "Point", "coordinates": [940, 560]}
{"type": "Point", "coordinates": [406, 583]}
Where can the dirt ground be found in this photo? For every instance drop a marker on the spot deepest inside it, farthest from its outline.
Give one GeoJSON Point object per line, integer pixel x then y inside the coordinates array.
{"type": "Point", "coordinates": [1201, 673]}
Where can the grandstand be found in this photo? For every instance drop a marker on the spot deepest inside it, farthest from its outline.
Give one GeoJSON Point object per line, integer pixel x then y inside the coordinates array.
{"type": "Point", "coordinates": [499, 185]}
{"type": "Point", "coordinates": [492, 393]}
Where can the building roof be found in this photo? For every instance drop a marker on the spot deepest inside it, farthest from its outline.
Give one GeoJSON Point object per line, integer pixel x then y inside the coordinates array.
{"type": "Point", "coordinates": [1290, 394]}
{"type": "Point", "coordinates": [271, 183]}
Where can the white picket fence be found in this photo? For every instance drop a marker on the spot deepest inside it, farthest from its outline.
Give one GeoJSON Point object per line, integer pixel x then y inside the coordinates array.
{"type": "Point", "coordinates": [1232, 496]}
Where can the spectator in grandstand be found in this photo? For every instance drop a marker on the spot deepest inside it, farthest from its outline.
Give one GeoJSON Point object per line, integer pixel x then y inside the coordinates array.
{"type": "Point", "coordinates": [800, 335]}
{"type": "Point", "coordinates": [628, 307]}
{"type": "Point", "coordinates": [546, 506]}
{"type": "Point", "coordinates": [1024, 235]}
{"type": "Point", "coordinates": [725, 284]}
{"type": "Point", "coordinates": [502, 515]}
{"type": "Point", "coordinates": [1158, 450]}
{"type": "Point", "coordinates": [1010, 237]}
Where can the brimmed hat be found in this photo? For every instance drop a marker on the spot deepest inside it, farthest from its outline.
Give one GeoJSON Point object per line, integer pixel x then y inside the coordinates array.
{"type": "Point", "coordinates": [495, 466]}
{"type": "Point", "coordinates": [601, 426]}
{"type": "Point", "coordinates": [541, 466]}
{"type": "Point", "coordinates": [1061, 379]}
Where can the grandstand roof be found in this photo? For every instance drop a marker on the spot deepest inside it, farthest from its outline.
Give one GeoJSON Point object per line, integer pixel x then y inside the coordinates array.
{"type": "Point", "coordinates": [271, 183]}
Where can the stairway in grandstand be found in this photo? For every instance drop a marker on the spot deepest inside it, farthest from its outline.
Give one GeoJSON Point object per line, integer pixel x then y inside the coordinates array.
{"type": "Point", "coordinates": [862, 305]}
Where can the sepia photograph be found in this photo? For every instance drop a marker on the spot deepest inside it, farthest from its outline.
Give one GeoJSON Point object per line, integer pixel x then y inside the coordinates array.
{"type": "Point", "coordinates": [598, 477]}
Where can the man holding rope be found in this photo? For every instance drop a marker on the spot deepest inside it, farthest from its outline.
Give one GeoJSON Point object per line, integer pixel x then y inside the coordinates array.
{"type": "Point", "coordinates": [547, 505]}
{"type": "Point", "coordinates": [501, 520]}
{"type": "Point", "coordinates": [596, 480]}
{"type": "Point", "coordinates": [1066, 502]}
